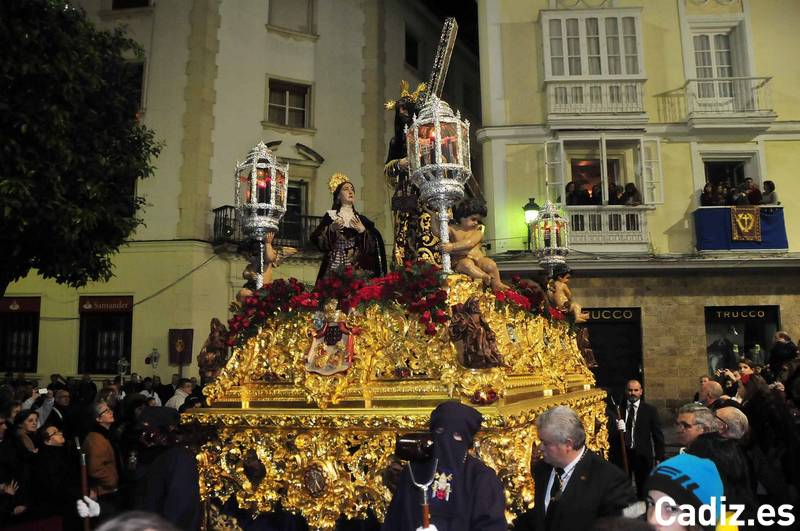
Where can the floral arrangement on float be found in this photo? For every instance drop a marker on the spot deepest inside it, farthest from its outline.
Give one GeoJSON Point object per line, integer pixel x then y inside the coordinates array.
{"type": "Point", "coordinates": [416, 287]}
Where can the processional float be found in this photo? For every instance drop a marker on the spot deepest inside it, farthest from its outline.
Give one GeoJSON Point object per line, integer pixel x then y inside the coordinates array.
{"type": "Point", "coordinates": [319, 384]}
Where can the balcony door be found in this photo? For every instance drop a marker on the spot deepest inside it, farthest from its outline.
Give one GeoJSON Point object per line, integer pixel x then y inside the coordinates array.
{"type": "Point", "coordinates": [713, 59]}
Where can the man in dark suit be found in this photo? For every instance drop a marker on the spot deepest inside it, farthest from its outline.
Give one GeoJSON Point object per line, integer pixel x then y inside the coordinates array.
{"type": "Point", "coordinates": [574, 486]}
{"type": "Point", "coordinates": [644, 440]}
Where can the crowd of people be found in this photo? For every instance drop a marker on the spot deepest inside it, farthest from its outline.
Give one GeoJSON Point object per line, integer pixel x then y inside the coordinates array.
{"type": "Point", "coordinates": [738, 438]}
{"type": "Point", "coordinates": [583, 195]}
{"type": "Point", "coordinates": [137, 456]}
{"type": "Point", "coordinates": [747, 193]}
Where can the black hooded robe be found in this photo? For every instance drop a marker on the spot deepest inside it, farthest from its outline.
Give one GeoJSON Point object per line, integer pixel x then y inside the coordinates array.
{"type": "Point", "coordinates": [475, 502]}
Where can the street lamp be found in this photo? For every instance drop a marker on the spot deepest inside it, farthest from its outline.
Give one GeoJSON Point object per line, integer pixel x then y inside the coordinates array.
{"type": "Point", "coordinates": [531, 210]}
{"type": "Point", "coordinates": [438, 158]}
{"type": "Point", "coordinates": [261, 193]}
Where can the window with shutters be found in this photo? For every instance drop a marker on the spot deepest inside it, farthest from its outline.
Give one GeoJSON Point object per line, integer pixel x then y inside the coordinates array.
{"type": "Point", "coordinates": [592, 44]}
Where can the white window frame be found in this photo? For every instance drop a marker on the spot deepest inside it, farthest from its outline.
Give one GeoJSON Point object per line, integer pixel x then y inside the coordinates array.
{"type": "Point", "coordinates": [649, 176]}
{"type": "Point", "coordinates": [582, 16]}
{"type": "Point", "coordinates": [286, 108]}
{"type": "Point", "coordinates": [736, 26]}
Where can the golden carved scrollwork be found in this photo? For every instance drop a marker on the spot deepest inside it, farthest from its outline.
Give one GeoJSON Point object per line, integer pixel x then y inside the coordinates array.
{"type": "Point", "coordinates": [322, 442]}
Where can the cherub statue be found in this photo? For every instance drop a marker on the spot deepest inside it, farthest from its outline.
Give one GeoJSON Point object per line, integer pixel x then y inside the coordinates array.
{"type": "Point", "coordinates": [561, 296]}
{"type": "Point", "coordinates": [272, 258]}
{"type": "Point", "coordinates": [466, 235]}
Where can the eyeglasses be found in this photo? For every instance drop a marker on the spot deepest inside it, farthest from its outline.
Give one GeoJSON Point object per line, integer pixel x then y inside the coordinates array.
{"type": "Point", "coordinates": [53, 434]}
{"type": "Point", "coordinates": [104, 412]}
{"type": "Point", "coordinates": [722, 421]}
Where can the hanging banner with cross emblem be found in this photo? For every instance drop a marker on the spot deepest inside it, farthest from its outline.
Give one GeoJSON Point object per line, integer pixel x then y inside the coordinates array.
{"type": "Point", "coordinates": [746, 224]}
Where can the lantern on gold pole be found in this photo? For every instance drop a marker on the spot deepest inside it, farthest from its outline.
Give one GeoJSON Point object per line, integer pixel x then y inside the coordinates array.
{"type": "Point", "coordinates": [549, 234]}
{"type": "Point", "coordinates": [261, 192]}
{"type": "Point", "coordinates": [439, 163]}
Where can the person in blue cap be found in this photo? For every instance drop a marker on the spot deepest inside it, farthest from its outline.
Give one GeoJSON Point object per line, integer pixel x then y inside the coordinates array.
{"type": "Point", "coordinates": [681, 485]}
{"type": "Point", "coordinates": [465, 495]}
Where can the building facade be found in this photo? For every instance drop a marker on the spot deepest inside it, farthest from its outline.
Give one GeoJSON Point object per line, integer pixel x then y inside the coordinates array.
{"type": "Point", "coordinates": [310, 78]}
{"type": "Point", "coordinates": [659, 99]}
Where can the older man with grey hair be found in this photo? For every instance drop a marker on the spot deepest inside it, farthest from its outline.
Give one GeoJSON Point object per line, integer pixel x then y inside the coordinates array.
{"type": "Point", "coordinates": [694, 420]}
{"type": "Point", "coordinates": [574, 486]}
{"type": "Point", "coordinates": [735, 423]}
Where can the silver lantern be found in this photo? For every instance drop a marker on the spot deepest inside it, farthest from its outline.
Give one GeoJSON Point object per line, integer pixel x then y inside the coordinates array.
{"type": "Point", "coordinates": [261, 190]}
{"type": "Point", "coordinates": [550, 237]}
{"type": "Point", "coordinates": [439, 163]}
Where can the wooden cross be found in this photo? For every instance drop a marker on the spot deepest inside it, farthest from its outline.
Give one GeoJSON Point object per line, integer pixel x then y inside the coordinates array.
{"type": "Point", "coordinates": [441, 61]}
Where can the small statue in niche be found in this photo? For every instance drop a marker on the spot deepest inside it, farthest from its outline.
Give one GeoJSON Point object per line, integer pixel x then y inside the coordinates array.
{"type": "Point", "coordinates": [561, 296]}
{"type": "Point", "coordinates": [466, 235]}
{"type": "Point", "coordinates": [273, 257]}
{"type": "Point", "coordinates": [214, 354]}
{"type": "Point", "coordinates": [474, 339]}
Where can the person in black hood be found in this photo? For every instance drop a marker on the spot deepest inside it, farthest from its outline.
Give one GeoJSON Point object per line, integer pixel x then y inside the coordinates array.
{"type": "Point", "coordinates": [466, 495]}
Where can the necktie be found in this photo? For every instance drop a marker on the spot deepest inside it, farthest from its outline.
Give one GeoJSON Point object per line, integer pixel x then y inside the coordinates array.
{"type": "Point", "coordinates": [555, 495]}
{"type": "Point", "coordinates": [629, 426]}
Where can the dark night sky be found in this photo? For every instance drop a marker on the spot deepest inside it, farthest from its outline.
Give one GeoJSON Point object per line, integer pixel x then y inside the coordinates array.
{"type": "Point", "coordinates": [466, 13]}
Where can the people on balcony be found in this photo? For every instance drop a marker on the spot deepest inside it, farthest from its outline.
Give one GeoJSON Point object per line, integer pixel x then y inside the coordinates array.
{"type": "Point", "coordinates": [746, 194]}
{"type": "Point", "coordinates": [597, 195]}
{"type": "Point", "coordinates": [631, 196]}
{"type": "Point", "coordinates": [769, 197]}
{"type": "Point", "coordinates": [708, 197]}
{"type": "Point", "coordinates": [752, 191]}
{"type": "Point", "coordinates": [616, 194]}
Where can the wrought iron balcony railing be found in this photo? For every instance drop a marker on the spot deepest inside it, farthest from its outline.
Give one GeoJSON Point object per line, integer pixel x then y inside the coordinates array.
{"type": "Point", "coordinates": [294, 231]}
{"type": "Point", "coordinates": [728, 95]}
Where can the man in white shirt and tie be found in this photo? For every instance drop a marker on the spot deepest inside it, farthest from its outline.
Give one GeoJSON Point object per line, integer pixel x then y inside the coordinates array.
{"type": "Point", "coordinates": [644, 440]}
{"type": "Point", "coordinates": [574, 486]}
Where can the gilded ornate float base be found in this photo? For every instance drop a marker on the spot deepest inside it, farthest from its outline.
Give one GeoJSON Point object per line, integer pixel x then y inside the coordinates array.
{"type": "Point", "coordinates": [319, 444]}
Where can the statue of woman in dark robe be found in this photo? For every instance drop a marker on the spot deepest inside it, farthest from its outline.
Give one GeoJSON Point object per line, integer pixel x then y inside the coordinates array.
{"type": "Point", "coordinates": [346, 237]}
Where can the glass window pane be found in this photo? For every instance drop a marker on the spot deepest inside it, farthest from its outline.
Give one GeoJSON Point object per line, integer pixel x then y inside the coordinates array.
{"type": "Point", "coordinates": [557, 66]}
{"type": "Point", "coordinates": [594, 65]}
{"type": "Point", "coordinates": [572, 27]}
{"type": "Point", "coordinates": [628, 26]}
{"type": "Point", "coordinates": [611, 27]}
{"type": "Point", "coordinates": [556, 48]}
{"type": "Point", "coordinates": [575, 66]}
{"type": "Point", "coordinates": [614, 65]}
{"type": "Point", "coordinates": [297, 118]}
{"type": "Point", "coordinates": [277, 115]}
{"type": "Point", "coordinates": [297, 99]}
{"type": "Point", "coordinates": [631, 64]}
{"type": "Point", "coordinates": [555, 28]}
{"type": "Point", "coordinates": [277, 96]}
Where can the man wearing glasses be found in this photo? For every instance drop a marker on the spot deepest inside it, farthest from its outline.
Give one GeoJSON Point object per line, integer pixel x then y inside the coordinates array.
{"type": "Point", "coordinates": [694, 420]}
{"type": "Point", "coordinates": [57, 478]}
{"type": "Point", "coordinates": [101, 460]}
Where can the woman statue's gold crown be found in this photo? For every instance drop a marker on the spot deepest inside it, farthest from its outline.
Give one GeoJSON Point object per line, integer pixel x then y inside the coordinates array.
{"type": "Point", "coordinates": [405, 94]}
{"type": "Point", "coordinates": [337, 179]}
